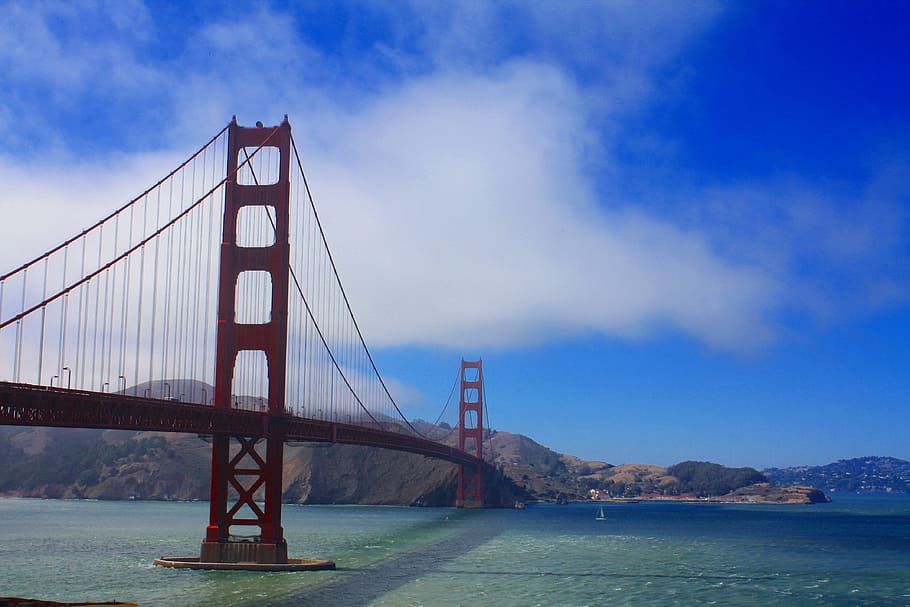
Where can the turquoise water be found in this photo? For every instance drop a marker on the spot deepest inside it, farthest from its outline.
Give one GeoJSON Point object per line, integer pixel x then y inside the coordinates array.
{"type": "Point", "coordinates": [854, 551]}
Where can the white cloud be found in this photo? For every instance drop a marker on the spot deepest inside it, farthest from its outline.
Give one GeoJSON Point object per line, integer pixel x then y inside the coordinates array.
{"type": "Point", "coordinates": [405, 394]}
{"type": "Point", "coordinates": [612, 38]}
{"type": "Point", "coordinates": [70, 49]}
{"type": "Point", "coordinates": [460, 216]}
{"type": "Point", "coordinates": [456, 194]}
{"type": "Point", "coordinates": [44, 205]}
{"type": "Point", "coordinates": [837, 250]}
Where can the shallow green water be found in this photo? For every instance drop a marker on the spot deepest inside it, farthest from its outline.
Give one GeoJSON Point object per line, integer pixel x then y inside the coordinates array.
{"type": "Point", "coordinates": [855, 551]}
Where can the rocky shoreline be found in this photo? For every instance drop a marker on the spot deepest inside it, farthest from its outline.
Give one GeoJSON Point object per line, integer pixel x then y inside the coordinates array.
{"type": "Point", "coordinates": [760, 493]}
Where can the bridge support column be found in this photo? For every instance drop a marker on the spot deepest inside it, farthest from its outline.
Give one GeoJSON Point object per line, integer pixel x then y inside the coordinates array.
{"type": "Point", "coordinates": [247, 469]}
{"type": "Point", "coordinates": [238, 474]}
{"type": "Point", "coordinates": [242, 472]}
{"type": "Point", "coordinates": [470, 434]}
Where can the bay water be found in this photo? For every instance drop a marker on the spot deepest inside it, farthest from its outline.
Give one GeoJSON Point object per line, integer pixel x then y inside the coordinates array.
{"type": "Point", "coordinates": [853, 551]}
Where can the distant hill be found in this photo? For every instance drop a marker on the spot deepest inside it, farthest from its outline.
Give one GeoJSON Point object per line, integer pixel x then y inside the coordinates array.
{"type": "Point", "coordinates": [692, 480]}
{"type": "Point", "coordinates": [108, 464]}
{"type": "Point", "coordinates": [705, 478]}
{"type": "Point", "coordinates": [112, 464]}
{"type": "Point", "coordinates": [859, 475]}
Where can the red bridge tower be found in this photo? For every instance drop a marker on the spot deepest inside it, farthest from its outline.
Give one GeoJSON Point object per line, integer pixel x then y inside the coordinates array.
{"type": "Point", "coordinates": [470, 428]}
{"type": "Point", "coordinates": [237, 477]}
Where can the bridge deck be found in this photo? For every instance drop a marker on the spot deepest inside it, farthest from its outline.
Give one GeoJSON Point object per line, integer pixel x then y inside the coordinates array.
{"type": "Point", "coordinates": [30, 405]}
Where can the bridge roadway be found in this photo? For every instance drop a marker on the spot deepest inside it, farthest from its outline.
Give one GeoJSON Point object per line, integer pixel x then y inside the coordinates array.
{"type": "Point", "coordinates": [30, 405]}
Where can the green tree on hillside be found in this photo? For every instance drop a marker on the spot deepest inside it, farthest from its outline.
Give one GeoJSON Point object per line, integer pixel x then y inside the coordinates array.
{"type": "Point", "coordinates": [706, 479]}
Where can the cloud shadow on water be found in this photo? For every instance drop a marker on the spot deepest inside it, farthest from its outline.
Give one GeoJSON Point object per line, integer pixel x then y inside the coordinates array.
{"type": "Point", "coordinates": [362, 586]}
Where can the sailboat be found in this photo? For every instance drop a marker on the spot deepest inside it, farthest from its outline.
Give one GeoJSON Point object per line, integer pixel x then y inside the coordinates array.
{"type": "Point", "coordinates": [600, 515]}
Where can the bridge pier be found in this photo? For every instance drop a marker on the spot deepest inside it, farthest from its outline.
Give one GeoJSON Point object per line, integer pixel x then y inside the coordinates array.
{"type": "Point", "coordinates": [236, 479]}
{"type": "Point", "coordinates": [244, 552]}
{"type": "Point", "coordinates": [238, 474]}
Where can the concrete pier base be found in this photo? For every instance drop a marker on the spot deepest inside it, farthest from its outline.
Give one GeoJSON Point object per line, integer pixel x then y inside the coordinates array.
{"type": "Point", "coordinates": [247, 552]}
{"type": "Point", "coordinates": [292, 564]}
{"type": "Point", "coordinates": [249, 556]}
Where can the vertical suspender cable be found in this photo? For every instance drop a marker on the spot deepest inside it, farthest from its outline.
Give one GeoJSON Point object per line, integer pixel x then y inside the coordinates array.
{"type": "Point", "coordinates": [173, 324]}
{"type": "Point", "coordinates": [141, 293]}
{"type": "Point", "coordinates": [126, 308]}
{"type": "Point", "coordinates": [208, 266]}
{"type": "Point", "coordinates": [79, 315]}
{"type": "Point", "coordinates": [167, 295]}
{"type": "Point", "coordinates": [43, 314]}
{"type": "Point", "coordinates": [197, 262]}
{"type": "Point", "coordinates": [64, 316]}
{"type": "Point", "coordinates": [152, 336]}
{"type": "Point", "coordinates": [341, 288]}
{"type": "Point", "coordinates": [95, 319]}
{"type": "Point", "coordinates": [107, 285]}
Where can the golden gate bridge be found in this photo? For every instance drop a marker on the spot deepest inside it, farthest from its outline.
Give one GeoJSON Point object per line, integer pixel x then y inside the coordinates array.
{"type": "Point", "coordinates": [211, 304]}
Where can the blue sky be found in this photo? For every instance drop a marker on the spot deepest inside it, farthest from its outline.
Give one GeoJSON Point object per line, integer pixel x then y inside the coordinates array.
{"type": "Point", "coordinates": [672, 230]}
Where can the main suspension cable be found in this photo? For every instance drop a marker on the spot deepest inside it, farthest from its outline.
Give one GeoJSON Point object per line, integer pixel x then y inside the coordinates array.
{"type": "Point", "coordinates": [486, 414]}
{"type": "Point", "coordinates": [451, 393]}
{"type": "Point", "coordinates": [309, 310]}
{"type": "Point", "coordinates": [114, 213]}
{"type": "Point", "coordinates": [123, 255]}
{"type": "Point", "coordinates": [343, 293]}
